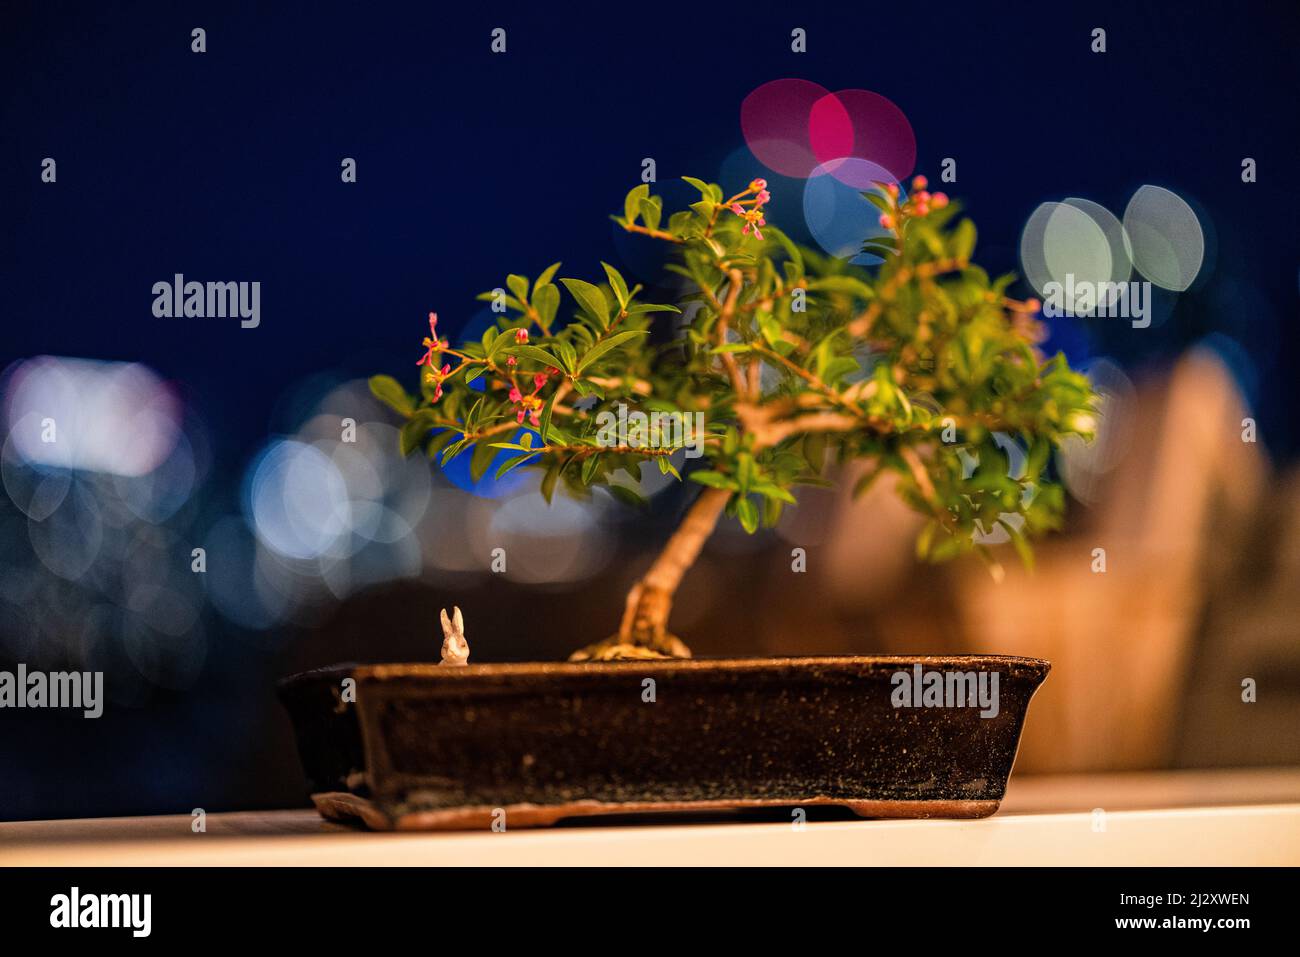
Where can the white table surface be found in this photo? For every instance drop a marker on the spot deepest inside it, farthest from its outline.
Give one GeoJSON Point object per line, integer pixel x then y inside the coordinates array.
{"type": "Point", "coordinates": [1170, 818]}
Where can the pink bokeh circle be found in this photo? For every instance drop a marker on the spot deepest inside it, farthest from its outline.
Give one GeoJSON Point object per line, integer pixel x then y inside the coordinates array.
{"type": "Point", "coordinates": [865, 125]}
{"type": "Point", "coordinates": [775, 122]}
{"type": "Point", "coordinates": [794, 127]}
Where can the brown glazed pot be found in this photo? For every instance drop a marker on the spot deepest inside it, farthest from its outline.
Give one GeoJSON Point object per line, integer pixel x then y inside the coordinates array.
{"type": "Point", "coordinates": [431, 747]}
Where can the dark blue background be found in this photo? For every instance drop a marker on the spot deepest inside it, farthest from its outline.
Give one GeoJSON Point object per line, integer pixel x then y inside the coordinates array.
{"type": "Point", "coordinates": [226, 165]}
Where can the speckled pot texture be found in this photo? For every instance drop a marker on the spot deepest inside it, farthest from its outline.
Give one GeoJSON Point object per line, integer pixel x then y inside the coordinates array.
{"type": "Point", "coordinates": [417, 746]}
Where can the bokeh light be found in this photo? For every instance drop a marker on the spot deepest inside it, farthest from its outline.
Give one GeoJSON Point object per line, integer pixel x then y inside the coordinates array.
{"type": "Point", "coordinates": [837, 214]}
{"type": "Point", "coordinates": [775, 121]}
{"type": "Point", "coordinates": [862, 125]}
{"type": "Point", "coordinates": [1085, 465]}
{"type": "Point", "coordinates": [112, 417]}
{"type": "Point", "coordinates": [1063, 244]}
{"type": "Point", "coordinates": [1166, 239]}
{"type": "Point", "coordinates": [296, 500]}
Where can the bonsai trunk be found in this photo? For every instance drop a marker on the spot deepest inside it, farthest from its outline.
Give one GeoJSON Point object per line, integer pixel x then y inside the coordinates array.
{"type": "Point", "coordinates": [643, 632]}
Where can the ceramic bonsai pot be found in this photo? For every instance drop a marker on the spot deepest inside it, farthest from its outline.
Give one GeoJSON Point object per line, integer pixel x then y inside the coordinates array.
{"type": "Point", "coordinates": [431, 747]}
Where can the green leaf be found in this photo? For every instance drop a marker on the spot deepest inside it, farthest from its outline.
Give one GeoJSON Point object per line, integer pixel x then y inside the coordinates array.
{"type": "Point", "coordinates": [632, 203]}
{"type": "Point", "coordinates": [863, 484]}
{"type": "Point", "coordinates": [768, 490]}
{"type": "Point", "coordinates": [415, 431]}
{"type": "Point", "coordinates": [390, 392]}
{"type": "Point", "coordinates": [546, 418]}
{"type": "Point", "coordinates": [590, 298]}
{"type": "Point", "coordinates": [518, 285]}
{"type": "Point", "coordinates": [702, 186]}
{"type": "Point", "coordinates": [511, 464]}
{"type": "Point", "coordinates": [925, 539]}
{"type": "Point", "coordinates": [744, 471]}
{"type": "Point", "coordinates": [546, 300]}
{"type": "Point", "coordinates": [475, 372]}
{"type": "Point", "coordinates": [791, 250]}
{"type": "Point", "coordinates": [642, 307]}
{"type": "Point", "coordinates": [1022, 546]}
{"type": "Point", "coordinates": [962, 243]}
{"type": "Point", "coordinates": [568, 357]}
{"type": "Point", "coordinates": [535, 353]}
{"type": "Point", "coordinates": [604, 346]}
{"type": "Point", "coordinates": [877, 200]}
{"type": "Point", "coordinates": [769, 326]}
{"type": "Point", "coordinates": [814, 450]}
{"type": "Point", "coordinates": [747, 512]}
{"type": "Point", "coordinates": [712, 479]}
{"type": "Point", "coordinates": [845, 284]}
{"type": "Point", "coordinates": [548, 481]}
{"type": "Point", "coordinates": [772, 511]}
{"type": "Point", "coordinates": [651, 213]}
{"type": "Point", "coordinates": [481, 460]}
{"type": "Point", "coordinates": [626, 496]}
{"type": "Point", "coordinates": [547, 275]}
{"type": "Point", "coordinates": [617, 283]}
{"type": "Point", "coordinates": [453, 450]}
{"type": "Point", "coordinates": [439, 441]}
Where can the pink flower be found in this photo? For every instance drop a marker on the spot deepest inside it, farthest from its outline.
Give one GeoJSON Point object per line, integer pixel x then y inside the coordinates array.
{"type": "Point", "coordinates": [539, 380]}
{"type": "Point", "coordinates": [516, 395]}
{"type": "Point", "coordinates": [887, 221]}
{"type": "Point", "coordinates": [534, 418]}
{"type": "Point", "coordinates": [430, 347]}
{"type": "Point", "coordinates": [521, 335]}
{"type": "Point", "coordinates": [433, 324]}
{"type": "Point", "coordinates": [920, 182]}
{"type": "Point", "coordinates": [520, 416]}
{"type": "Point", "coordinates": [511, 360]}
{"type": "Point", "coordinates": [753, 217]}
{"type": "Point", "coordinates": [939, 200]}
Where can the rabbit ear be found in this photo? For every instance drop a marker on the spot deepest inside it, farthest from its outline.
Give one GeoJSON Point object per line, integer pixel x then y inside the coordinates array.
{"type": "Point", "coordinates": [458, 621]}
{"type": "Point", "coordinates": [446, 625]}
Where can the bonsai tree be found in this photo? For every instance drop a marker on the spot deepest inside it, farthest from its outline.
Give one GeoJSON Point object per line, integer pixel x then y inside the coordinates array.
{"type": "Point", "coordinates": [792, 364]}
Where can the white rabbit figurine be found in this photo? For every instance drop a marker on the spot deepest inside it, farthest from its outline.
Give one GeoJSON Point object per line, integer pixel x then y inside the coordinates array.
{"type": "Point", "coordinates": [455, 649]}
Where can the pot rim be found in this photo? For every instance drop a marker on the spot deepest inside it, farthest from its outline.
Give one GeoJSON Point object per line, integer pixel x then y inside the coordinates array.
{"type": "Point", "coordinates": [469, 672]}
